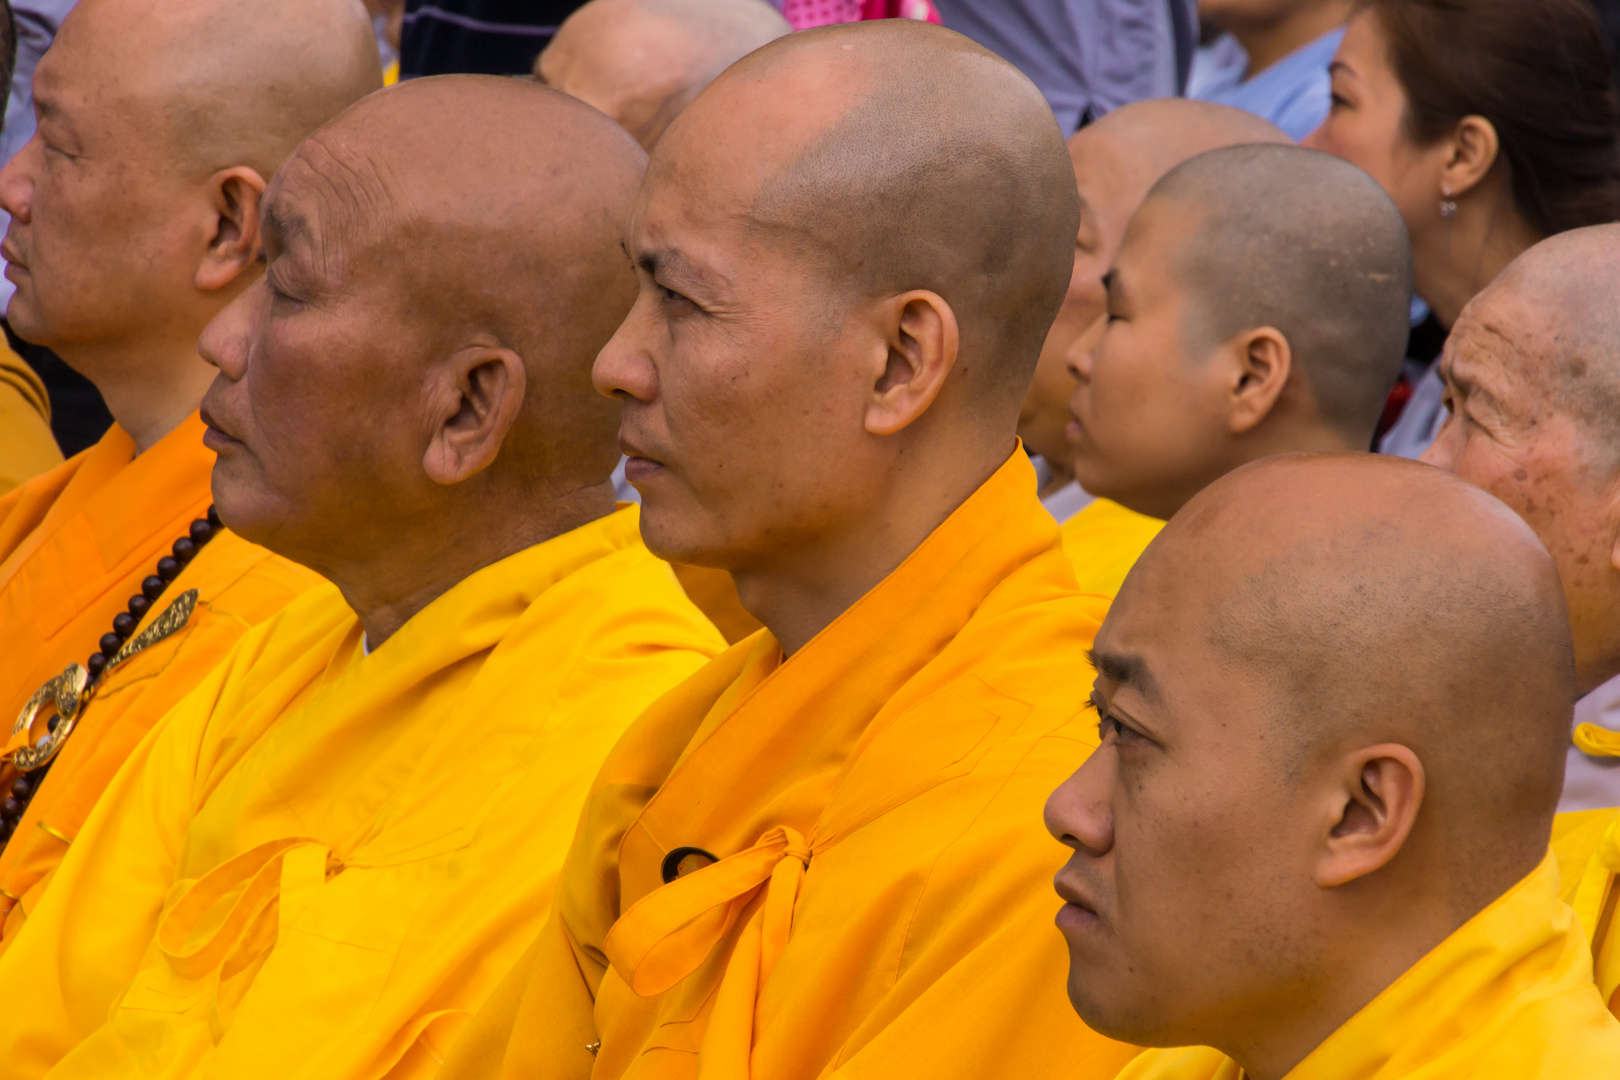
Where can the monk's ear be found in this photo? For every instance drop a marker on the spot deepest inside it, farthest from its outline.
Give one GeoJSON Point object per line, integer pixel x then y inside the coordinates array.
{"type": "Point", "coordinates": [921, 339]}
{"type": "Point", "coordinates": [1258, 362]}
{"type": "Point", "coordinates": [233, 241]}
{"type": "Point", "coordinates": [476, 396]}
{"type": "Point", "coordinates": [1472, 150]}
{"type": "Point", "coordinates": [1373, 802]}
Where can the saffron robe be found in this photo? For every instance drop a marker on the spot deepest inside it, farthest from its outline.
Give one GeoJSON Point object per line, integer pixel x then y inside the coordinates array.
{"type": "Point", "coordinates": [27, 447]}
{"type": "Point", "coordinates": [1586, 844]}
{"type": "Point", "coordinates": [882, 904]}
{"type": "Point", "coordinates": [1103, 541]}
{"type": "Point", "coordinates": [237, 585]}
{"type": "Point", "coordinates": [322, 860]}
{"type": "Point", "coordinates": [1508, 996]}
{"type": "Point", "coordinates": [76, 541]}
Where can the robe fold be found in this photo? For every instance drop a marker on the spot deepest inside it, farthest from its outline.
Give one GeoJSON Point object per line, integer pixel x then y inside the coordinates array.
{"type": "Point", "coordinates": [1508, 996]}
{"type": "Point", "coordinates": [1103, 541]}
{"type": "Point", "coordinates": [322, 860]}
{"type": "Point", "coordinates": [834, 865]}
{"type": "Point", "coordinates": [237, 586]}
{"type": "Point", "coordinates": [1586, 845]}
{"type": "Point", "coordinates": [27, 447]}
{"type": "Point", "coordinates": [76, 541]}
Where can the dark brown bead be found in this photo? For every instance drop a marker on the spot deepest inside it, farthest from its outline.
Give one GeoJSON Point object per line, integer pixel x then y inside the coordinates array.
{"type": "Point", "coordinates": [111, 643]}
{"type": "Point", "coordinates": [184, 549]}
{"type": "Point", "coordinates": [6, 829]}
{"type": "Point", "coordinates": [168, 568]}
{"type": "Point", "coordinates": [201, 532]}
{"type": "Point", "coordinates": [213, 517]}
{"type": "Point", "coordinates": [123, 624]}
{"type": "Point", "coordinates": [23, 786]}
{"type": "Point", "coordinates": [11, 807]}
{"type": "Point", "coordinates": [153, 587]}
{"type": "Point", "coordinates": [138, 606]}
{"type": "Point", "coordinates": [96, 662]}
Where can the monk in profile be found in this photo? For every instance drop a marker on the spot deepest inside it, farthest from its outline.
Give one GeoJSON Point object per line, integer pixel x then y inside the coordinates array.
{"type": "Point", "coordinates": [816, 854]}
{"type": "Point", "coordinates": [1116, 160]}
{"type": "Point", "coordinates": [643, 61]}
{"type": "Point", "coordinates": [327, 855]}
{"type": "Point", "coordinates": [1532, 373]}
{"type": "Point", "coordinates": [134, 221]}
{"type": "Point", "coordinates": [1334, 695]}
{"type": "Point", "coordinates": [1258, 306]}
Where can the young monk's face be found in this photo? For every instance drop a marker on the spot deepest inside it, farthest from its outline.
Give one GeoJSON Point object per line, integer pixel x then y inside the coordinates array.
{"type": "Point", "coordinates": [1148, 427]}
{"type": "Point", "coordinates": [1185, 891]}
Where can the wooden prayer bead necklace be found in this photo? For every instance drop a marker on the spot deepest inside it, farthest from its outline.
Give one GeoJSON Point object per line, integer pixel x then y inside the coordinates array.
{"type": "Point", "coordinates": [72, 690]}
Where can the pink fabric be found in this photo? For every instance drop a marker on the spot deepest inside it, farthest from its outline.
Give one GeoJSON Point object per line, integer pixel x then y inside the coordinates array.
{"type": "Point", "coordinates": [802, 14]}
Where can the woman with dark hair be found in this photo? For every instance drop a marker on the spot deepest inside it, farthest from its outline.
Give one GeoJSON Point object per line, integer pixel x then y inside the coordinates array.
{"type": "Point", "coordinates": [1492, 124]}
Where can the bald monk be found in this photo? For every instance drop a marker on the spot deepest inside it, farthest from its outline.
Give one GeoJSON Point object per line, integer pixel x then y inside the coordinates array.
{"type": "Point", "coordinates": [643, 61]}
{"type": "Point", "coordinates": [1532, 374]}
{"type": "Point", "coordinates": [1116, 160]}
{"type": "Point", "coordinates": [1258, 306]}
{"type": "Point", "coordinates": [816, 855]}
{"type": "Point", "coordinates": [134, 221]}
{"type": "Point", "coordinates": [1310, 871]}
{"type": "Point", "coordinates": [328, 854]}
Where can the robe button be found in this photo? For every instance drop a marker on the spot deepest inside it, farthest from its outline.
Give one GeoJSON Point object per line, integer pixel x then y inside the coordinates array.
{"type": "Point", "coordinates": [686, 860]}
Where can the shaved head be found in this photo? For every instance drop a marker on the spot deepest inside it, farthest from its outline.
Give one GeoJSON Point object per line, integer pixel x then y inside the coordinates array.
{"type": "Point", "coordinates": [1116, 159]}
{"type": "Point", "coordinates": [412, 379]}
{"type": "Point", "coordinates": [1532, 372]}
{"type": "Point", "coordinates": [939, 166]}
{"type": "Point", "coordinates": [1324, 258]}
{"type": "Point", "coordinates": [850, 247]}
{"type": "Point", "coordinates": [1335, 695]}
{"type": "Point", "coordinates": [226, 82]}
{"type": "Point", "coordinates": [134, 208]}
{"type": "Point", "coordinates": [643, 61]}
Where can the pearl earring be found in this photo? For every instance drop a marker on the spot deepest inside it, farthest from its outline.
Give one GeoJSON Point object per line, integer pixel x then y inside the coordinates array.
{"type": "Point", "coordinates": [1448, 208]}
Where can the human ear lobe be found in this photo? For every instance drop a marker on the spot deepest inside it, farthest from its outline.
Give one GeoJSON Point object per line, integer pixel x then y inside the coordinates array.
{"type": "Point", "coordinates": [1377, 796]}
{"type": "Point", "coordinates": [1263, 361]}
{"type": "Point", "coordinates": [477, 405]}
{"type": "Point", "coordinates": [921, 340]}
{"type": "Point", "coordinates": [233, 240]}
{"type": "Point", "coordinates": [1474, 148]}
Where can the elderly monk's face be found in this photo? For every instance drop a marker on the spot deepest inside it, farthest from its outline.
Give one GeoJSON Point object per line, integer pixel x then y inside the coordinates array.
{"type": "Point", "coordinates": [1184, 870]}
{"type": "Point", "coordinates": [1146, 413]}
{"type": "Point", "coordinates": [97, 246]}
{"type": "Point", "coordinates": [312, 413]}
{"type": "Point", "coordinates": [1508, 434]}
{"type": "Point", "coordinates": [742, 364]}
{"type": "Point", "coordinates": [1108, 193]}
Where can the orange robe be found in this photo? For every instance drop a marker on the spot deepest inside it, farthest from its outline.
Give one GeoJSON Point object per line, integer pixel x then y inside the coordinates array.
{"type": "Point", "coordinates": [76, 543]}
{"type": "Point", "coordinates": [27, 447]}
{"type": "Point", "coordinates": [883, 905]}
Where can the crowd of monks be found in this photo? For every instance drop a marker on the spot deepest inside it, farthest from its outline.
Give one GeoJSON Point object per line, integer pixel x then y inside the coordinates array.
{"type": "Point", "coordinates": [362, 732]}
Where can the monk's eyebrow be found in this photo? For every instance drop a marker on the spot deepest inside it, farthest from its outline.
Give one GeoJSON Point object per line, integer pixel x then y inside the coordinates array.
{"type": "Point", "coordinates": [282, 225]}
{"type": "Point", "coordinates": [1125, 669]}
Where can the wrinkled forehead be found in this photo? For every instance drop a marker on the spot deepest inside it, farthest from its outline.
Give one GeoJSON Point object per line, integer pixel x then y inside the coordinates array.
{"type": "Point", "coordinates": [330, 205]}
{"type": "Point", "coordinates": [1502, 344]}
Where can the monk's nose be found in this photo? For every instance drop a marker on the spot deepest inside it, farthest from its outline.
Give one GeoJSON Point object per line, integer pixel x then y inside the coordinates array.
{"type": "Point", "coordinates": [17, 183]}
{"type": "Point", "coordinates": [1078, 812]}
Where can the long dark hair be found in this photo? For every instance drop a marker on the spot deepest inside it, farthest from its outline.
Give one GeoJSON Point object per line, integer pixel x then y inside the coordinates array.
{"type": "Point", "coordinates": [1539, 71]}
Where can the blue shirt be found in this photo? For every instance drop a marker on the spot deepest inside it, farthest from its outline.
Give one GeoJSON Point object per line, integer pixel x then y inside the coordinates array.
{"type": "Point", "coordinates": [1293, 93]}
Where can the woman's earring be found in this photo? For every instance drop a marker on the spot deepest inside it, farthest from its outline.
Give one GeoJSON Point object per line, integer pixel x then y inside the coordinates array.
{"type": "Point", "coordinates": [1448, 208]}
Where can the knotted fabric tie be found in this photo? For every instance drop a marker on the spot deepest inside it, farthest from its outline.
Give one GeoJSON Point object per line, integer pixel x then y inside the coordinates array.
{"type": "Point", "coordinates": [226, 922]}
{"type": "Point", "coordinates": [668, 933]}
{"type": "Point", "coordinates": [1597, 741]}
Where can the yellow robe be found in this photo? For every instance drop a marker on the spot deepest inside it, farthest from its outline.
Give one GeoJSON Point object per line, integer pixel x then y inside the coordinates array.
{"type": "Point", "coordinates": [1586, 844]}
{"type": "Point", "coordinates": [27, 447]}
{"type": "Point", "coordinates": [883, 904]}
{"type": "Point", "coordinates": [1103, 542]}
{"type": "Point", "coordinates": [1508, 996]}
{"type": "Point", "coordinates": [321, 861]}
{"type": "Point", "coordinates": [228, 588]}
